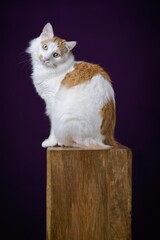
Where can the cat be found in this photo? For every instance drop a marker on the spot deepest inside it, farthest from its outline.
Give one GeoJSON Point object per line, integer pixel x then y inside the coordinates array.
{"type": "Point", "coordinates": [79, 96]}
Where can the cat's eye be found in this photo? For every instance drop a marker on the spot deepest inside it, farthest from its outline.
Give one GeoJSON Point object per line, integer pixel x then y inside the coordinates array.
{"type": "Point", "coordinates": [44, 46]}
{"type": "Point", "coordinates": [56, 55]}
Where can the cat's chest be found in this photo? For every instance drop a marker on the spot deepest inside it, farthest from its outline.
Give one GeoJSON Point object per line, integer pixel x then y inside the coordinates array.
{"type": "Point", "coordinates": [47, 85]}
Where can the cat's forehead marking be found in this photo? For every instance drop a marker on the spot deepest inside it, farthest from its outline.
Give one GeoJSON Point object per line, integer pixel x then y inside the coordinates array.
{"type": "Point", "coordinates": [59, 41]}
{"type": "Point", "coordinates": [83, 72]}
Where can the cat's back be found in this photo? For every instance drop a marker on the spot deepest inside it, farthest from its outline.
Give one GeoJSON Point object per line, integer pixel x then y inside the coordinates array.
{"type": "Point", "coordinates": [87, 82]}
{"type": "Point", "coordinates": [83, 72]}
{"type": "Point", "coordinates": [86, 88]}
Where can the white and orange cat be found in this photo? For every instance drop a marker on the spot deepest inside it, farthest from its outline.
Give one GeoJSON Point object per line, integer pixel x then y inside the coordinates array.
{"type": "Point", "coordinates": [79, 96]}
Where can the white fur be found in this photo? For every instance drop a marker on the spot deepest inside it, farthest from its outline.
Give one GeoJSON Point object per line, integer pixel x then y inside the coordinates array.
{"type": "Point", "coordinates": [74, 112]}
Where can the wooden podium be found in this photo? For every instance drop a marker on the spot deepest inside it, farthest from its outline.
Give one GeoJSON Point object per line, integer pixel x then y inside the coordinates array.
{"type": "Point", "coordinates": [89, 193]}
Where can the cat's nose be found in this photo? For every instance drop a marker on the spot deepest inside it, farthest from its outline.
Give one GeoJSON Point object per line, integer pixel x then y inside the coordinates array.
{"type": "Point", "coordinates": [46, 60]}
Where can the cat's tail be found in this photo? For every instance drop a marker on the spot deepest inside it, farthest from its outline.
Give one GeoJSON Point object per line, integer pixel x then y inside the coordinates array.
{"type": "Point", "coordinates": [90, 143]}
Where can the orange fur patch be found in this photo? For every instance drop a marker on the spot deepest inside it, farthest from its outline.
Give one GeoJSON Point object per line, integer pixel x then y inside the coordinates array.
{"type": "Point", "coordinates": [60, 42]}
{"type": "Point", "coordinates": [83, 72]}
{"type": "Point", "coordinates": [108, 122]}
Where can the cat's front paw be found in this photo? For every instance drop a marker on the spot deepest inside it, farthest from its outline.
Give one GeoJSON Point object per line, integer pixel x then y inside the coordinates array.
{"type": "Point", "coordinates": [49, 143]}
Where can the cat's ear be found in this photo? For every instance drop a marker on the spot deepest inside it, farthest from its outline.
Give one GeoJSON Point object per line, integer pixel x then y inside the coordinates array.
{"type": "Point", "coordinates": [47, 32]}
{"type": "Point", "coordinates": [69, 46]}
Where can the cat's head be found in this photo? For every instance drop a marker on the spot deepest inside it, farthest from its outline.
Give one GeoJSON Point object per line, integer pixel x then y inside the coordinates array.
{"type": "Point", "coordinates": [49, 49]}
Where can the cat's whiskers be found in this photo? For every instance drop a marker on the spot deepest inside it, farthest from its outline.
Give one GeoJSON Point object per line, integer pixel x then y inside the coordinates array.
{"type": "Point", "coordinates": [24, 58]}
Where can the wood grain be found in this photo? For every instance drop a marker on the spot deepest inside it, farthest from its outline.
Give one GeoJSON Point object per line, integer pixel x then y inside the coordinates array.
{"type": "Point", "coordinates": [89, 194]}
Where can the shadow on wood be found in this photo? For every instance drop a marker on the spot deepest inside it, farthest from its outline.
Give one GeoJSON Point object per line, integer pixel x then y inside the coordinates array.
{"type": "Point", "coordinates": [89, 194]}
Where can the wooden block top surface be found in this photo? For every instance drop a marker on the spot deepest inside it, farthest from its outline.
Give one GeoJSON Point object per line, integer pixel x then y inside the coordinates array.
{"type": "Point", "coordinates": [119, 147]}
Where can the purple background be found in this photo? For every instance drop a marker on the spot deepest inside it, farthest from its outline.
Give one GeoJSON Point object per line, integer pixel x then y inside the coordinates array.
{"type": "Point", "coordinates": [123, 37]}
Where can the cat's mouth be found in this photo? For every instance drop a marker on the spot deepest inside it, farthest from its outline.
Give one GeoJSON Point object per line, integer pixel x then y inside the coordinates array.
{"type": "Point", "coordinates": [47, 63]}
{"type": "Point", "coordinates": [44, 60]}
